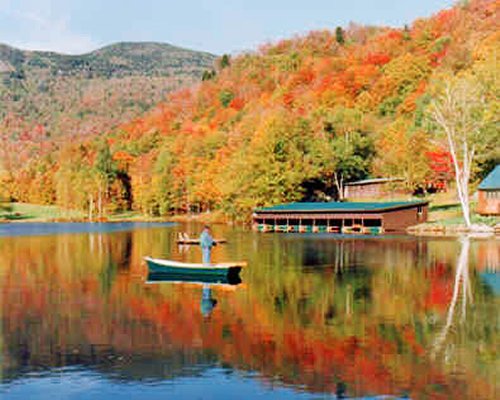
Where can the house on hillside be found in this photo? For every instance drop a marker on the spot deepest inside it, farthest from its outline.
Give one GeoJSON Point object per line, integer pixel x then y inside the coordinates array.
{"type": "Point", "coordinates": [489, 194]}
{"type": "Point", "coordinates": [373, 188]}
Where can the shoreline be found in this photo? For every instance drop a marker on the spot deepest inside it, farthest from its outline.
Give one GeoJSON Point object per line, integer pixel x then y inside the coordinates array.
{"type": "Point", "coordinates": [440, 229]}
{"type": "Point", "coordinates": [205, 218]}
{"type": "Point", "coordinates": [432, 229]}
{"type": "Point", "coordinates": [441, 224]}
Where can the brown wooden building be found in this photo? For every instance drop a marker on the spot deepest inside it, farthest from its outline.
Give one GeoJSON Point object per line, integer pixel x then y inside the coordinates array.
{"type": "Point", "coordinates": [489, 194]}
{"type": "Point", "coordinates": [337, 217]}
{"type": "Point", "coordinates": [373, 188]}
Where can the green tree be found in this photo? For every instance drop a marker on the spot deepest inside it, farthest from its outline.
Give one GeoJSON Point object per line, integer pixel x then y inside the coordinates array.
{"type": "Point", "coordinates": [225, 61]}
{"type": "Point", "coordinates": [339, 35]}
{"type": "Point", "coordinates": [162, 184]}
{"type": "Point", "coordinates": [225, 97]}
{"type": "Point", "coordinates": [208, 75]}
{"type": "Point", "coordinates": [353, 157]}
{"type": "Point", "coordinates": [352, 148]}
{"type": "Point", "coordinates": [106, 171]}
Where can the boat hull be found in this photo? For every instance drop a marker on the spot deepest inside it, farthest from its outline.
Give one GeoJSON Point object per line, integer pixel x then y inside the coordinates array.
{"type": "Point", "coordinates": [197, 241]}
{"type": "Point", "coordinates": [159, 277]}
{"type": "Point", "coordinates": [198, 270]}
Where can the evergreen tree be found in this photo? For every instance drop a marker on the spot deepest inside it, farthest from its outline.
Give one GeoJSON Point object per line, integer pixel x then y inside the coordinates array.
{"type": "Point", "coordinates": [225, 61]}
{"type": "Point", "coordinates": [339, 35]}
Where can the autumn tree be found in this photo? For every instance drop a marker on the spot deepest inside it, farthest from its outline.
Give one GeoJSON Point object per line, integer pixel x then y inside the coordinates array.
{"type": "Point", "coordinates": [458, 115]}
{"type": "Point", "coordinates": [401, 152]}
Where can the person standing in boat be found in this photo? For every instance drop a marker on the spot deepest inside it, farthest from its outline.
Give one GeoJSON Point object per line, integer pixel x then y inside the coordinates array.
{"type": "Point", "coordinates": [206, 243]}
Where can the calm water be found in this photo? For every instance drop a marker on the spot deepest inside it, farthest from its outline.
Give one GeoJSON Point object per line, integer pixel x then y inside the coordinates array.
{"type": "Point", "coordinates": [316, 317]}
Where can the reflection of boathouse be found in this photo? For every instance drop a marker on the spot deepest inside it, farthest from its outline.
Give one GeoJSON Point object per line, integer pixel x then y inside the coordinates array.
{"type": "Point", "coordinates": [335, 217]}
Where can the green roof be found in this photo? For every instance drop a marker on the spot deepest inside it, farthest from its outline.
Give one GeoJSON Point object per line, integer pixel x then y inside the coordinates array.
{"type": "Point", "coordinates": [339, 206]}
{"type": "Point", "coordinates": [492, 181]}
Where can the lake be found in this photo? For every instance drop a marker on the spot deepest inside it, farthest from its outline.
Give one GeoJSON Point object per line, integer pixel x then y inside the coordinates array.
{"type": "Point", "coordinates": [316, 316]}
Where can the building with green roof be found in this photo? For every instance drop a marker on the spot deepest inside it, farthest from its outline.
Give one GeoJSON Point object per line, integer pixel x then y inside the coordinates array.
{"type": "Point", "coordinates": [340, 217]}
{"type": "Point", "coordinates": [489, 194]}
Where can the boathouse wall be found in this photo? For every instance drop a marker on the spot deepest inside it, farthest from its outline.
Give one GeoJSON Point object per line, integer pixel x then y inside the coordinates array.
{"type": "Point", "coordinates": [399, 220]}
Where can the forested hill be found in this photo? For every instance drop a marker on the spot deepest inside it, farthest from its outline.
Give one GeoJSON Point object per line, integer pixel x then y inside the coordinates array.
{"type": "Point", "coordinates": [76, 95]}
{"type": "Point", "coordinates": [289, 121]}
{"type": "Point", "coordinates": [116, 60]}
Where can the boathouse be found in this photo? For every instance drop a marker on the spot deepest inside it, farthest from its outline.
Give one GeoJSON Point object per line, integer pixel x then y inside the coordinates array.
{"type": "Point", "coordinates": [337, 217]}
{"type": "Point", "coordinates": [489, 194]}
{"type": "Point", "coordinates": [373, 188]}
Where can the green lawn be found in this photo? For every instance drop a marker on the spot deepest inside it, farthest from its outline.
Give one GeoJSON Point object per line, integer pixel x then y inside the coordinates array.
{"type": "Point", "coordinates": [35, 212]}
{"type": "Point", "coordinates": [24, 212]}
{"type": "Point", "coordinates": [451, 214]}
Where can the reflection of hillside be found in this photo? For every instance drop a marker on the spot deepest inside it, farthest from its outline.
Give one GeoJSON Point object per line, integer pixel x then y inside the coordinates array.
{"type": "Point", "coordinates": [314, 313]}
{"type": "Point", "coordinates": [115, 364]}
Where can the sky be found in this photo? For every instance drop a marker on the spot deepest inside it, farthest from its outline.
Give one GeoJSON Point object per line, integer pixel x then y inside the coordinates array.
{"type": "Point", "coordinates": [216, 26]}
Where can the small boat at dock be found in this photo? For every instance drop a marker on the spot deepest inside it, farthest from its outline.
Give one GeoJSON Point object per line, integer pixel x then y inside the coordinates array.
{"type": "Point", "coordinates": [176, 268]}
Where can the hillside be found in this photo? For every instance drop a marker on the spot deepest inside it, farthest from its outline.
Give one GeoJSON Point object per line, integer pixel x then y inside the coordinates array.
{"type": "Point", "coordinates": [292, 120]}
{"type": "Point", "coordinates": [77, 95]}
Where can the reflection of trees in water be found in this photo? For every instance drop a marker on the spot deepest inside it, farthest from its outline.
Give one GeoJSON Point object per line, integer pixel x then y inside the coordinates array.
{"type": "Point", "coordinates": [306, 319]}
{"type": "Point", "coordinates": [469, 330]}
{"type": "Point", "coordinates": [461, 285]}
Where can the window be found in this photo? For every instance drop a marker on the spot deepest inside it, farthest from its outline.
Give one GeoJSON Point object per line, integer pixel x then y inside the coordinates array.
{"type": "Point", "coordinates": [335, 222]}
{"type": "Point", "coordinates": [371, 223]}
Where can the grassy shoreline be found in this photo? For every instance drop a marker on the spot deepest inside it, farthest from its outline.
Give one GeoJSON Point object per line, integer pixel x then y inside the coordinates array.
{"type": "Point", "coordinates": [25, 213]}
{"type": "Point", "coordinates": [444, 219]}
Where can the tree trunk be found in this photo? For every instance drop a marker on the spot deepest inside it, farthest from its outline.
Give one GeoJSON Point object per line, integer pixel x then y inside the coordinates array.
{"type": "Point", "coordinates": [91, 207]}
{"type": "Point", "coordinates": [100, 202]}
{"type": "Point", "coordinates": [339, 184]}
{"type": "Point", "coordinates": [462, 174]}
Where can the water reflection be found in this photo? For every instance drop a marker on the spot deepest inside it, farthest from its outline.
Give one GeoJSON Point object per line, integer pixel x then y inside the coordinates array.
{"type": "Point", "coordinates": [208, 303]}
{"type": "Point", "coordinates": [340, 316]}
{"type": "Point", "coordinates": [462, 284]}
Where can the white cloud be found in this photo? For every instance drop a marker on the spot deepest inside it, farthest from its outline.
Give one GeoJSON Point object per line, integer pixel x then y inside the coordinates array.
{"type": "Point", "coordinates": [42, 25]}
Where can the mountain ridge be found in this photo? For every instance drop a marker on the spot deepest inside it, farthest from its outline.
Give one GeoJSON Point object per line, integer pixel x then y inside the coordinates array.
{"type": "Point", "coordinates": [80, 95]}
{"type": "Point", "coordinates": [114, 55]}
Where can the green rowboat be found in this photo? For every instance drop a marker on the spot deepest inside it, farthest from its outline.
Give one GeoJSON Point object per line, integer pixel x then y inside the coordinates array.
{"type": "Point", "coordinates": [231, 269]}
{"type": "Point", "coordinates": [195, 241]}
{"type": "Point", "coordinates": [162, 277]}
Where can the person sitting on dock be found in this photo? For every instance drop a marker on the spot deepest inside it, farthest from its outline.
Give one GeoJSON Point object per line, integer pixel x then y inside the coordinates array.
{"type": "Point", "coordinates": [206, 243]}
